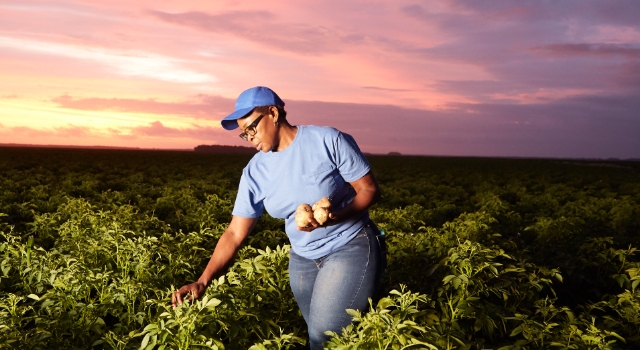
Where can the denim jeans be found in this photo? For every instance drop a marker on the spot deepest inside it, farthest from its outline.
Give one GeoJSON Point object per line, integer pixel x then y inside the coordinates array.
{"type": "Point", "coordinates": [324, 288]}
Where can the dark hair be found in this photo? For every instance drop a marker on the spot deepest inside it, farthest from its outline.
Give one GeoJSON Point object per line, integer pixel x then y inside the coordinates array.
{"type": "Point", "coordinates": [266, 109]}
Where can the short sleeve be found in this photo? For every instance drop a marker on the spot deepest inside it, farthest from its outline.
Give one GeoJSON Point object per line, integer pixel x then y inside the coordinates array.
{"type": "Point", "coordinates": [247, 203]}
{"type": "Point", "coordinates": [349, 159]}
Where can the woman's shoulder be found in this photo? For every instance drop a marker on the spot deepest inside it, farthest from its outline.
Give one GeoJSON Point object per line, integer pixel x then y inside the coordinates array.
{"type": "Point", "coordinates": [323, 132]}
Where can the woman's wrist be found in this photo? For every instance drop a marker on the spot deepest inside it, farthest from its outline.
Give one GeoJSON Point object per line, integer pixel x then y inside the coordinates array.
{"type": "Point", "coordinates": [343, 214]}
{"type": "Point", "coordinates": [204, 281]}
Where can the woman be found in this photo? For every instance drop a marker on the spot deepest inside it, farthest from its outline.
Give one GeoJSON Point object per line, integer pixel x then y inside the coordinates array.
{"type": "Point", "coordinates": [334, 266]}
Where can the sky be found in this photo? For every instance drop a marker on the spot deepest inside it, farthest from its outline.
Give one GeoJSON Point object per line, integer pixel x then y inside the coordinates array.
{"type": "Point", "coordinates": [463, 78]}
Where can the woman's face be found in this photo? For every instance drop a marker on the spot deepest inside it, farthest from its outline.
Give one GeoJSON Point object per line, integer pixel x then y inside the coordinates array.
{"type": "Point", "coordinates": [264, 137]}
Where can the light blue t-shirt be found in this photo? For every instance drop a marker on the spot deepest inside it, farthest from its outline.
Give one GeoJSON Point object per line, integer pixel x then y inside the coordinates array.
{"type": "Point", "coordinates": [320, 162]}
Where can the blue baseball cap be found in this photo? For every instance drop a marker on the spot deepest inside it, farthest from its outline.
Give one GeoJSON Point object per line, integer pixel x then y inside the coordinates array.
{"type": "Point", "coordinates": [247, 101]}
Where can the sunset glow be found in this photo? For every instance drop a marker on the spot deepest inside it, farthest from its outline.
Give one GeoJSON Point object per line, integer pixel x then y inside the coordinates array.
{"type": "Point", "coordinates": [481, 78]}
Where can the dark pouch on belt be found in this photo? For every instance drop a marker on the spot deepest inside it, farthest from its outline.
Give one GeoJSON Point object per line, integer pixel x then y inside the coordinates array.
{"type": "Point", "coordinates": [382, 243]}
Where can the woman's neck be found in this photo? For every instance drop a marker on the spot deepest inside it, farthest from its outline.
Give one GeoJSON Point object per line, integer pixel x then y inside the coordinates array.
{"type": "Point", "coordinates": [286, 134]}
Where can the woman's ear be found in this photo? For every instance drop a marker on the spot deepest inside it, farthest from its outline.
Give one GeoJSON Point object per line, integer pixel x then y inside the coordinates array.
{"type": "Point", "coordinates": [273, 111]}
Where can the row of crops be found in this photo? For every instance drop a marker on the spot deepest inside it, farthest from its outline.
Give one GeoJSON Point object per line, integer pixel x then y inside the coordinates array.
{"type": "Point", "coordinates": [483, 254]}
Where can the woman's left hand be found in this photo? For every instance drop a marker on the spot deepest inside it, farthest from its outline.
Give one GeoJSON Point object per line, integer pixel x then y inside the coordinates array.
{"type": "Point", "coordinates": [311, 225]}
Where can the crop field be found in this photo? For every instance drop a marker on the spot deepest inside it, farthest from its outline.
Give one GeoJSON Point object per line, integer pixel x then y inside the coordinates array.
{"type": "Point", "coordinates": [482, 254]}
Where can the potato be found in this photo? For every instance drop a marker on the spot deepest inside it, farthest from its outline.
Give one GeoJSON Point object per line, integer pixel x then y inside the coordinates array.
{"type": "Point", "coordinates": [321, 210]}
{"type": "Point", "coordinates": [303, 214]}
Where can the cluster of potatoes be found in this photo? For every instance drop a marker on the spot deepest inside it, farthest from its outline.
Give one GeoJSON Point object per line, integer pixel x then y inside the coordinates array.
{"type": "Point", "coordinates": [319, 211]}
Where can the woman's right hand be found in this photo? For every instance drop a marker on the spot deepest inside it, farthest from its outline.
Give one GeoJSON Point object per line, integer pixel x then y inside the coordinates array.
{"type": "Point", "coordinates": [194, 290]}
{"type": "Point", "coordinates": [227, 246]}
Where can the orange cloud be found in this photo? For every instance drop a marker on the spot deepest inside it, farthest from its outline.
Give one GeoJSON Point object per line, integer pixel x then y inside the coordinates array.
{"type": "Point", "coordinates": [152, 135]}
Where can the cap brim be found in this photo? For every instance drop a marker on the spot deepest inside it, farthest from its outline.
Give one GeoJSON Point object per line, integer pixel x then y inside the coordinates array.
{"type": "Point", "coordinates": [230, 122]}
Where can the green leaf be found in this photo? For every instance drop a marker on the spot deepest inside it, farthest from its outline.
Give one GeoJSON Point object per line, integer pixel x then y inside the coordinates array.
{"type": "Point", "coordinates": [448, 278]}
{"type": "Point", "coordinates": [489, 325]}
{"type": "Point", "coordinates": [145, 341]}
{"type": "Point", "coordinates": [5, 267]}
{"type": "Point", "coordinates": [33, 296]}
{"type": "Point", "coordinates": [154, 341]}
{"type": "Point", "coordinates": [353, 313]}
{"type": "Point", "coordinates": [150, 327]}
{"type": "Point", "coordinates": [516, 331]}
{"type": "Point", "coordinates": [617, 336]}
{"type": "Point", "coordinates": [385, 302]}
{"type": "Point", "coordinates": [477, 325]}
{"type": "Point", "coordinates": [558, 277]}
{"type": "Point", "coordinates": [432, 318]}
{"type": "Point", "coordinates": [213, 303]}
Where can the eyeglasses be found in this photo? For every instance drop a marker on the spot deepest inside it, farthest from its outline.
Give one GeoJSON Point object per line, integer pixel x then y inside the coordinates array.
{"type": "Point", "coordinates": [251, 129]}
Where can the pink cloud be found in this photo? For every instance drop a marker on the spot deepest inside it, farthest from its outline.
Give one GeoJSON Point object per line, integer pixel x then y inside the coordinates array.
{"type": "Point", "coordinates": [584, 49]}
{"type": "Point", "coordinates": [157, 129]}
{"type": "Point", "coordinates": [203, 106]}
{"type": "Point", "coordinates": [117, 133]}
{"type": "Point", "coordinates": [379, 88]}
{"type": "Point", "coordinates": [73, 131]}
{"type": "Point", "coordinates": [265, 28]}
{"type": "Point", "coordinates": [25, 131]}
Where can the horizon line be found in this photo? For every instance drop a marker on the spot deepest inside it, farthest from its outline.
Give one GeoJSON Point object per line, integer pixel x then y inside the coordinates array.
{"type": "Point", "coordinates": [389, 154]}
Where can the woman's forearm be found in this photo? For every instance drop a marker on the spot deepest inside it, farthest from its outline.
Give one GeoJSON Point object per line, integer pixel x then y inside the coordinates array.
{"type": "Point", "coordinates": [227, 247]}
{"type": "Point", "coordinates": [223, 253]}
{"type": "Point", "coordinates": [367, 194]}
